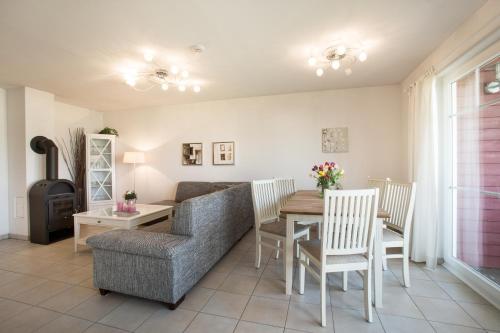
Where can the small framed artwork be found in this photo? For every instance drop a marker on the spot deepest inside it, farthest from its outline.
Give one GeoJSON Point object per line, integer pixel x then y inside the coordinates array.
{"type": "Point", "coordinates": [192, 154]}
{"type": "Point", "coordinates": [223, 153]}
{"type": "Point", "coordinates": [335, 140]}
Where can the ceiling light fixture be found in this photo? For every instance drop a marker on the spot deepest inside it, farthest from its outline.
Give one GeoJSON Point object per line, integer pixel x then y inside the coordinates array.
{"type": "Point", "coordinates": [336, 56]}
{"type": "Point", "coordinates": [158, 76]}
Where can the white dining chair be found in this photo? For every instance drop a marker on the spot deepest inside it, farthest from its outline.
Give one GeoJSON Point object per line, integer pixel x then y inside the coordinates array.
{"type": "Point", "coordinates": [285, 188]}
{"type": "Point", "coordinates": [268, 224]}
{"type": "Point", "coordinates": [346, 244]}
{"type": "Point", "coordinates": [399, 203]}
{"type": "Point", "coordinates": [381, 184]}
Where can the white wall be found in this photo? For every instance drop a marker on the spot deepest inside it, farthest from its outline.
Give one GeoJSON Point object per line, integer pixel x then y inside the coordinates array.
{"type": "Point", "coordinates": [275, 136]}
{"type": "Point", "coordinates": [68, 116]}
{"type": "Point", "coordinates": [39, 120]}
{"type": "Point", "coordinates": [30, 113]}
{"type": "Point", "coordinates": [4, 185]}
{"type": "Point", "coordinates": [16, 143]}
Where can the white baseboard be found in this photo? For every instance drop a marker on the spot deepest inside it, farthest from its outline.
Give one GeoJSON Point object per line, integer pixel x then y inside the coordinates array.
{"type": "Point", "coordinates": [6, 236]}
{"type": "Point", "coordinates": [20, 237]}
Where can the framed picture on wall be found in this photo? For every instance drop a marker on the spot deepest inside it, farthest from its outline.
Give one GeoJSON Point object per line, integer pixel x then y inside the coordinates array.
{"type": "Point", "coordinates": [335, 140]}
{"type": "Point", "coordinates": [223, 153]}
{"type": "Point", "coordinates": [192, 154]}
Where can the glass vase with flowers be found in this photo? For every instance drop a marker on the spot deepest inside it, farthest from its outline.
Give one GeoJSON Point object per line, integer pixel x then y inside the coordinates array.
{"type": "Point", "coordinates": [327, 176]}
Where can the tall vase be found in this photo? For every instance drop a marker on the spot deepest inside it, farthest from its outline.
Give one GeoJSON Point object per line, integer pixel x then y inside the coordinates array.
{"type": "Point", "coordinates": [321, 190]}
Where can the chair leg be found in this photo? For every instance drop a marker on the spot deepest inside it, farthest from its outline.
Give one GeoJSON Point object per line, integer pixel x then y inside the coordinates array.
{"type": "Point", "coordinates": [277, 255]}
{"type": "Point", "coordinates": [258, 250]}
{"type": "Point", "coordinates": [322, 286]}
{"type": "Point", "coordinates": [344, 280]}
{"type": "Point", "coordinates": [319, 230]}
{"type": "Point", "coordinates": [384, 258]}
{"type": "Point", "coordinates": [302, 274]}
{"type": "Point", "coordinates": [367, 282]}
{"type": "Point", "coordinates": [308, 237]}
{"type": "Point", "coordinates": [297, 255]}
{"type": "Point", "coordinates": [284, 263]}
{"type": "Point", "coordinates": [406, 266]}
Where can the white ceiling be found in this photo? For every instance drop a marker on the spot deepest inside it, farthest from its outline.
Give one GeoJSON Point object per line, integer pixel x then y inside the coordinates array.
{"type": "Point", "coordinates": [74, 49]}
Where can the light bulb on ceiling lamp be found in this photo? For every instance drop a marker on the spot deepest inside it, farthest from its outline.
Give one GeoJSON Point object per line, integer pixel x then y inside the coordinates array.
{"type": "Point", "coordinates": [164, 86]}
{"type": "Point", "coordinates": [196, 88]}
{"type": "Point", "coordinates": [148, 56]}
{"type": "Point", "coordinates": [131, 82]}
{"type": "Point", "coordinates": [348, 71]}
{"type": "Point", "coordinates": [174, 70]}
{"type": "Point", "coordinates": [312, 61]}
{"type": "Point", "coordinates": [320, 72]}
{"type": "Point", "coordinates": [341, 50]}
{"type": "Point", "coordinates": [362, 56]}
{"type": "Point", "coordinates": [130, 79]}
{"type": "Point", "coordinates": [335, 64]}
{"type": "Point", "coordinates": [182, 88]}
{"type": "Point", "coordinates": [185, 74]}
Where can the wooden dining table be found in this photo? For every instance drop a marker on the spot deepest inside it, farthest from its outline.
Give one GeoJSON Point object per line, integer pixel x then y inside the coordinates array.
{"type": "Point", "coordinates": [307, 207]}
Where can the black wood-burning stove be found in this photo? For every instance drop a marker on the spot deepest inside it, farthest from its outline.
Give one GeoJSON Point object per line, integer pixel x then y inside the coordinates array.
{"type": "Point", "coordinates": [52, 201]}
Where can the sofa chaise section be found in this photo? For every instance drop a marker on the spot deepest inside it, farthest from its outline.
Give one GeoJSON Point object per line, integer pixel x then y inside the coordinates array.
{"type": "Point", "coordinates": [165, 266]}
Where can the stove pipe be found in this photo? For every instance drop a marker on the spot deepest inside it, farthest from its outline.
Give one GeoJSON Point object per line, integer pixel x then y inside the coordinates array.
{"type": "Point", "coordinates": [42, 145]}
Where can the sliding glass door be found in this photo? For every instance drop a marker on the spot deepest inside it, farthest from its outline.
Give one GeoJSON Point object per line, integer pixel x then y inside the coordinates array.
{"type": "Point", "coordinates": [475, 188]}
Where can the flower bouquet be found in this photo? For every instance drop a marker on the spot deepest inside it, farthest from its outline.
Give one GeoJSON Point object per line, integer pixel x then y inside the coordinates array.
{"type": "Point", "coordinates": [327, 176]}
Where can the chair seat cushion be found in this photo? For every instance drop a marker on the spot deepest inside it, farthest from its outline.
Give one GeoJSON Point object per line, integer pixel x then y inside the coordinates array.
{"type": "Point", "coordinates": [390, 236]}
{"type": "Point", "coordinates": [279, 228]}
{"type": "Point", "coordinates": [313, 247]}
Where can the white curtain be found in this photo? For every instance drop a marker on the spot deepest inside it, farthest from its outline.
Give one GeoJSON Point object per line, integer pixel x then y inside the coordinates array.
{"type": "Point", "coordinates": [423, 158]}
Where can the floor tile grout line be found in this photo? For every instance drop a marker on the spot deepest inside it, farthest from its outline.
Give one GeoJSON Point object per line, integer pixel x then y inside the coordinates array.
{"type": "Point", "coordinates": [461, 307]}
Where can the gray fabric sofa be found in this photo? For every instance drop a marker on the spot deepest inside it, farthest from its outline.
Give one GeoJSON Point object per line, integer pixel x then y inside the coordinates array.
{"type": "Point", "coordinates": [188, 189]}
{"type": "Point", "coordinates": [164, 266]}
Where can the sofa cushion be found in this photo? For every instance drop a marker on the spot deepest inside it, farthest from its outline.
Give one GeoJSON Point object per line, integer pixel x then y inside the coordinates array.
{"type": "Point", "coordinates": [138, 242]}
{"type": "Point", "coordinates": [213, 210]}
{"type": "Point", "coordinates": [188, 190]}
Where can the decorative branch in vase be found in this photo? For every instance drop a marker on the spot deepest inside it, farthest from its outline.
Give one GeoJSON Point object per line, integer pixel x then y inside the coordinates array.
{"type": "Point", "coordinates": [74, 158]}
{"type": "Point", "coordinates": [327, 176]}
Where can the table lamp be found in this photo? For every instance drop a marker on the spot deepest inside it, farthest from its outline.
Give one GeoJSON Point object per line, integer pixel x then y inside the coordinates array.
{"type": "Point", "coordinates": [133, 157]}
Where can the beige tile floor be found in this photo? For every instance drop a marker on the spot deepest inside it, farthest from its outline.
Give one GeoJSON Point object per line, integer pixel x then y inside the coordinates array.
{"type": "Point", "coordinates": [49, 289]}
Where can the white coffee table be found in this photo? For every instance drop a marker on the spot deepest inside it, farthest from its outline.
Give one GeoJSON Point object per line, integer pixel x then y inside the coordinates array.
{"type": "Point", "coordinates": [106, 217]}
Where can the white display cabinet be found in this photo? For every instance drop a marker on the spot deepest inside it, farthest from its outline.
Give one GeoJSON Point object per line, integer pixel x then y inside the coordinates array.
{"type": "Point", "coordinates": [101, 183]}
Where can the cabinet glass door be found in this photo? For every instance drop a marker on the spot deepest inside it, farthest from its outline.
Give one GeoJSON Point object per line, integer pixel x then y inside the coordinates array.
{"type": "Point", "coordinates": [101, 169]}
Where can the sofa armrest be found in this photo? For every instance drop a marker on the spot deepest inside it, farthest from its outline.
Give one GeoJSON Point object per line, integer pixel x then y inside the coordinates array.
{"type": "Point", "coordinates": [150, 244]}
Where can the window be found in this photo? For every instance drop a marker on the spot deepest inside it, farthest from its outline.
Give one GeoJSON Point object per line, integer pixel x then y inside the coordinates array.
{"type": "Point", "coordinates": [476, 169]}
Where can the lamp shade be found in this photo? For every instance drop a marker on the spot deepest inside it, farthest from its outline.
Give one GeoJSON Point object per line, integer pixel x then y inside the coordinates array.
{"type": "Point", "coordinates": [133, 157]}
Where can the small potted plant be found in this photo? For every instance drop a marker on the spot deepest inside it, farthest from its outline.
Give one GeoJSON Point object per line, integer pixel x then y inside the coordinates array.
{"type": "Point", "coordinates": [109, 130]}
{"type": "Point", "coordinates": [327, 176]}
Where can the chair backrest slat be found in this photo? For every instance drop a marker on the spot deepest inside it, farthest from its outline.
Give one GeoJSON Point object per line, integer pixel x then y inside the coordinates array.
{"type": "Point", "coordinates": [399, 204]}
{"type": "Point", "coordinates": [265, 203]}
{"type": "Point", "coordinates": [349, 221]}
{"type": "Point", "coordinates": [285, 188]}
{"type": "Point", "coordinates": [381, 184]}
